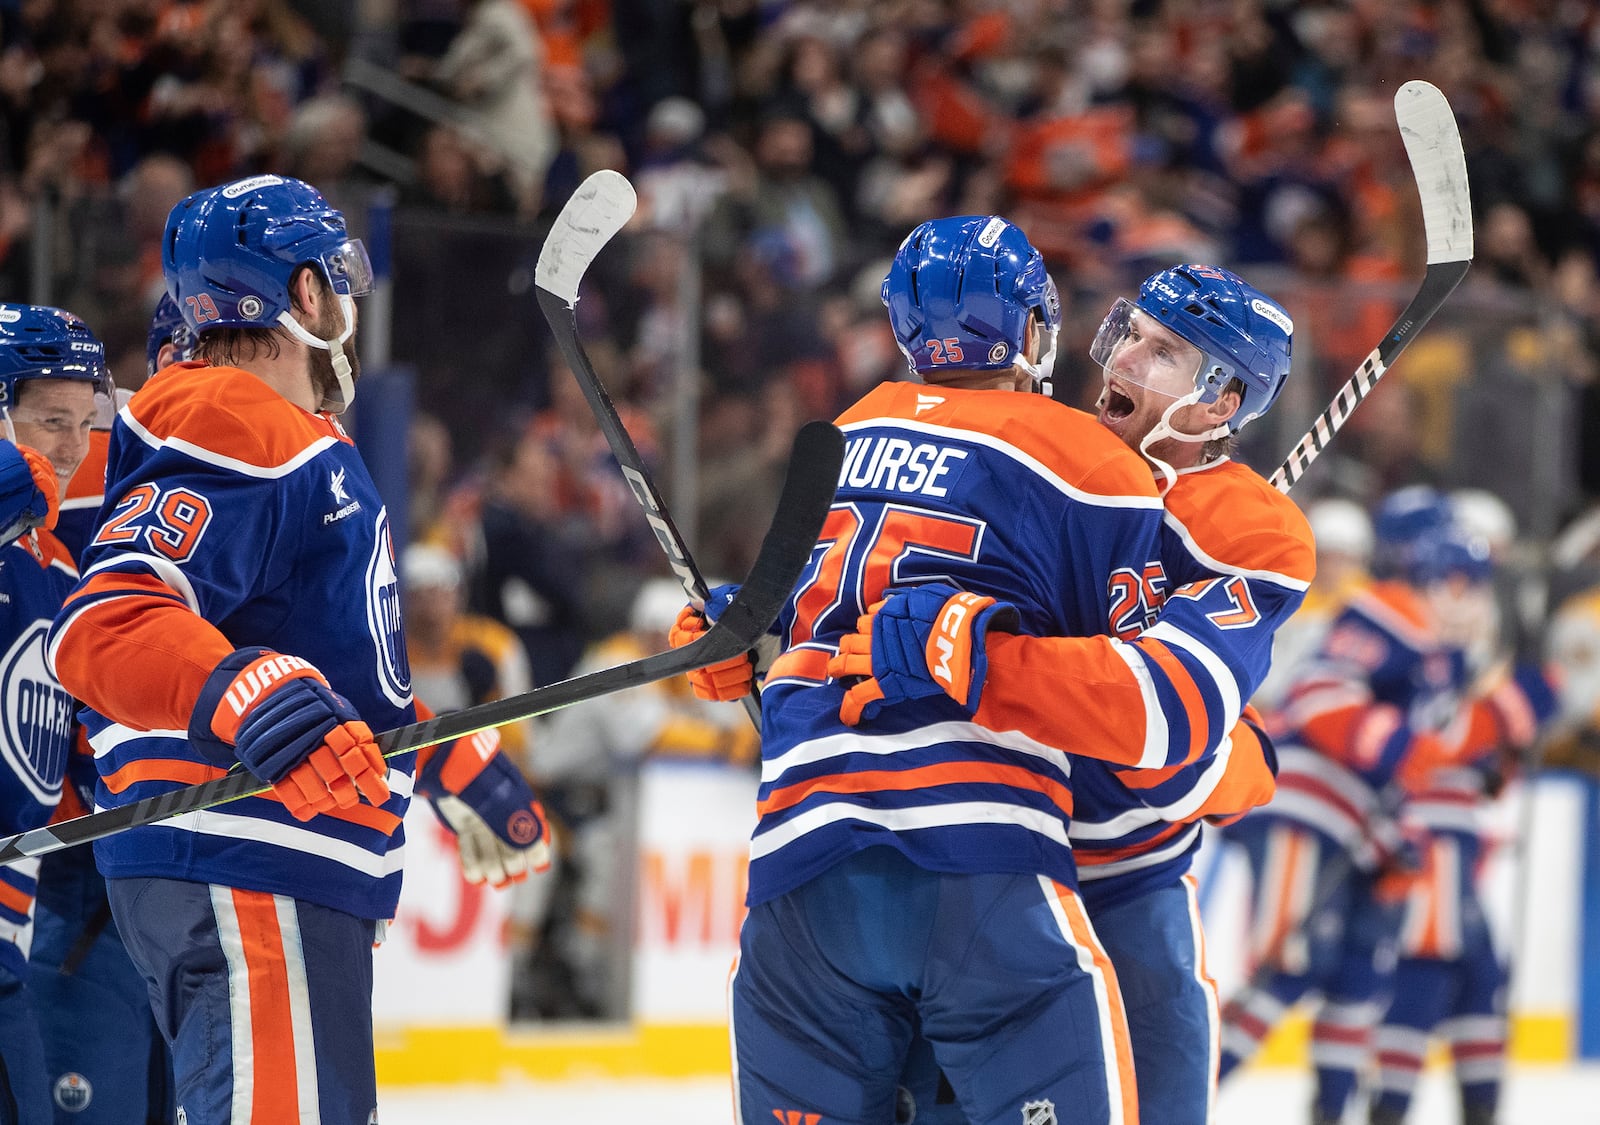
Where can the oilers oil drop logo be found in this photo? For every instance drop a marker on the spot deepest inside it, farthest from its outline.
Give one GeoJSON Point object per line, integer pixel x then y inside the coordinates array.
{"type": "Point", "coordinates": [37, 715]}
{"type": "Point", "coordinates": [383, 616]}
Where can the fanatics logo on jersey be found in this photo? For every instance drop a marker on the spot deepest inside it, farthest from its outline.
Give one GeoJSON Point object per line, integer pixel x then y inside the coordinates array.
{"type": "Point", "coordinates": [1041, 1112]}
{"type": "Point", "coordinates": [796, 1117]}
{"type": "Point", "coordinates": [927, 402]}
{"type": "Point", "coordinates": [73, 1092]}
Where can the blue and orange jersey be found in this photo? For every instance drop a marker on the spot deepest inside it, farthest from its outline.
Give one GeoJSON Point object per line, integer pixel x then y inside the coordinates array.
{"type": "Point", "coordinates": [234, 518]}
{"type": "Point", "coordinates": [36, 719]}
{"type": "Point", "coordinates": [1236, 559]}
{"type": "Point", "coordinates": [1010, 495]}
{"type": "Point", "coordinates": [1380, 688]}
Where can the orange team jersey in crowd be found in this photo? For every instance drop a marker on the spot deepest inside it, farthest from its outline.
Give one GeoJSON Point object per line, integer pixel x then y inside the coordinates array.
{"type": "Point", "coordinates": [1006, 494]}
{"type": "Point", "coordinates": [235, 519]}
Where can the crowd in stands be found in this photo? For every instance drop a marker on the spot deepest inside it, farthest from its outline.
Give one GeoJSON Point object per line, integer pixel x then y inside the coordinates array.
{"type": "Point", "coordinates": [782, 148]}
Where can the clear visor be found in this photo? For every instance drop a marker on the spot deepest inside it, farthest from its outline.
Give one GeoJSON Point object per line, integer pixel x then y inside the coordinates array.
{"type": "Point", "coordinates": [1134, 348]}
{"type": "Point", "coordinates": [348, 268]}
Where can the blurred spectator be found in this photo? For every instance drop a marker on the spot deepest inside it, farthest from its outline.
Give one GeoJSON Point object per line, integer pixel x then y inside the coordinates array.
{"type": "Point", "coordinates": [493, 68]}
{"type": "Point", "coordinates": [322, 146]}
{"type": "Point", "coordinates": [786, 203]}
{"type": "Point", "coordinates": [520, 570]}
{"type": "Point", "coordinates": [458, 659]}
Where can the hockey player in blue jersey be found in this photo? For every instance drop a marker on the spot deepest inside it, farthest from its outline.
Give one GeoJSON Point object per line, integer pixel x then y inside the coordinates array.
{"type": "Point", "coordinates": [1194, 357]}
{"type": "Point", "coordinates": [52, 370]}
{"type": "Point", "coordinates": [1450, 979]}
{"type": "Point", "coordinates": [1373, 717]}
{"type": "Point", "coordinates": [106, 1062]}
{"type": "Point", "coordinates": [242, 583]}
{"type": "Point", "coordinates": [912, 874]}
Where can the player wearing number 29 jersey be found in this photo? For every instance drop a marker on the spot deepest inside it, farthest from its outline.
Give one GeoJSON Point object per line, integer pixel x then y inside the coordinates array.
{"type": "Point", "coordinates": [229, 504]}
{"type": "Point", "coordinates": [238, 607]}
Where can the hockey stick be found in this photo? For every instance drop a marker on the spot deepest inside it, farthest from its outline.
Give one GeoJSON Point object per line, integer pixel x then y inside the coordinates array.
{"type": "Point", "coordinates": [807, 493]}
{"type": "Point", "coordinates": [1433, 145]}
{"type": "Point", "coordinates": [594, 214]}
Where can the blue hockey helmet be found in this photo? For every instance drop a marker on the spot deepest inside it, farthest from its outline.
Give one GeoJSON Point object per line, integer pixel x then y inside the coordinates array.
{"type": "Point", "coordinates": [1403, 519]}
{"type": "Point", "coordinates": [39, 342]}
{"type": "Point", "coordinates": [1448, 552]}
{"type": "Point", "coordinates": [167, 326]}
{"type": "Point", "coordinates": [229, 253]}
{"type": "Point", "coordinates": [1241, 333]}
{"type": "Point", "coordinates": [961, 292]}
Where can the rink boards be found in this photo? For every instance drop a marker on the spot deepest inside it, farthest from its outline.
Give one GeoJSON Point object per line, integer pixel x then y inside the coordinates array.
{"type": "Point", "coordinates": [442, 977]}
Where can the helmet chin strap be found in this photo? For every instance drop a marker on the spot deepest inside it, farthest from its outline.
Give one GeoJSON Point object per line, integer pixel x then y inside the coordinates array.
{"type": "Point", "coordinates": [1164, 429]}
{"type": "Point", "coordinates": [338, 402]}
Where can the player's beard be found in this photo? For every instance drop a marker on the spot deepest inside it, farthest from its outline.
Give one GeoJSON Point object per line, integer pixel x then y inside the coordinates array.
{"type": "Point", "coordinates": [323, 380]}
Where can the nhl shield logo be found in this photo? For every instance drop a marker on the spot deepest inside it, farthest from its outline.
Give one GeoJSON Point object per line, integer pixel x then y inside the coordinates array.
{"type": "Point", "coordinates": [73, 1092]}
{"type": "Point", "coordinates": [1041, 1112]}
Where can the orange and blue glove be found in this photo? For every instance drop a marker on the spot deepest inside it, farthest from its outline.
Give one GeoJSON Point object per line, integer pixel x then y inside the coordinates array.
{"type": "Point", "coordinates": [728, 680]}
{"type": "Point", "coordinates": [277, 715]}
{"type": "Point", "coordinates": [918, 643]}
{"type": "Point", "coordinates": [30, 496]}
{"type": "Point", "coordinates": [501, 829]}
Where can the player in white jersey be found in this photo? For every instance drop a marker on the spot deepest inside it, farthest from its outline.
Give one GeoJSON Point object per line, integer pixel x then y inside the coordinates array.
{"type": "Point", "coordinates": [52, 371]}
{"type": "Point", "coordinates": [243, 584]}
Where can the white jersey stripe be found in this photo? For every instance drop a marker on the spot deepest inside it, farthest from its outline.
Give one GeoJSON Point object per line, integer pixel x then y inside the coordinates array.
{"type": "Point", "coordinates": [1222, 678]}
{"type": "Point", "coordinates": [1060, 904]}
{"type": "Point", "coordinates": [305, 1046]}
{"type": "Point", "coordinates": [1172, 849]}
{"type": "Point", "coordinates": [852, 742]}
{"type": "Point", "coordinates": [244, 1060]}
{"type": "Point", "coordinates": [765, 843]}
{"type": "Point", "coordinates": [200, 453]}
{"type": "Point", "coordinates": [1299, 585]}
{"type": "Point", "coordinates": [303, 840]}
{"type": "Point", "coordinates": [1145, 815]}
{"type": "Point", "coordinates": [1154, 753]}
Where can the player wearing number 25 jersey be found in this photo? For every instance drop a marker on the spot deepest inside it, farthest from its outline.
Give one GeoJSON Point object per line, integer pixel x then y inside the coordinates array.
{"type": "Point", "coordinates": [913, 871]}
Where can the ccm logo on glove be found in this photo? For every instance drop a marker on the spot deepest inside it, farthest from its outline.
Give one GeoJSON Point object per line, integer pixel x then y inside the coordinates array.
{"type": "Point", "coordinates": [951, 641]}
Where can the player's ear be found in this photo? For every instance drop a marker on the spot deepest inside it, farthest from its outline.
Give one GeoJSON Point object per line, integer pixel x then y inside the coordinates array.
{"type": "Point", "coordinates": [305, 293]}
{"type": "Point", "coordinates": [1224, 406]}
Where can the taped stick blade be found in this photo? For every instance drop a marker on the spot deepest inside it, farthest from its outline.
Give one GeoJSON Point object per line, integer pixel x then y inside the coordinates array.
{"type": "Point", "coordinates": [1433, 143]}
{"type": "Point", "coordinates": [594, 214]}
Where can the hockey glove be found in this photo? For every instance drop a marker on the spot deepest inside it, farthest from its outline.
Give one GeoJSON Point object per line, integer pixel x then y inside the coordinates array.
{"type": "Point", "coordinates": [730, 680]}
{"type": "Point", "coordinates": [916, 643]}
{"type": "Point", "coordinates": [29, 494]}
{"type": "Point", "coordinates": [501, 829]}
{"type": "Point", "coordinates": [282, 720]}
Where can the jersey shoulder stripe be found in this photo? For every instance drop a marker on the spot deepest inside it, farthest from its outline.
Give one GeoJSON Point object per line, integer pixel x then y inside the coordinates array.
{"type": "Point", "coordinates": [228, 417]}
{"type": "Point", "coordinates": [1066, 448]}
{"type": "Point", "coordinates": [1234, 522]}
